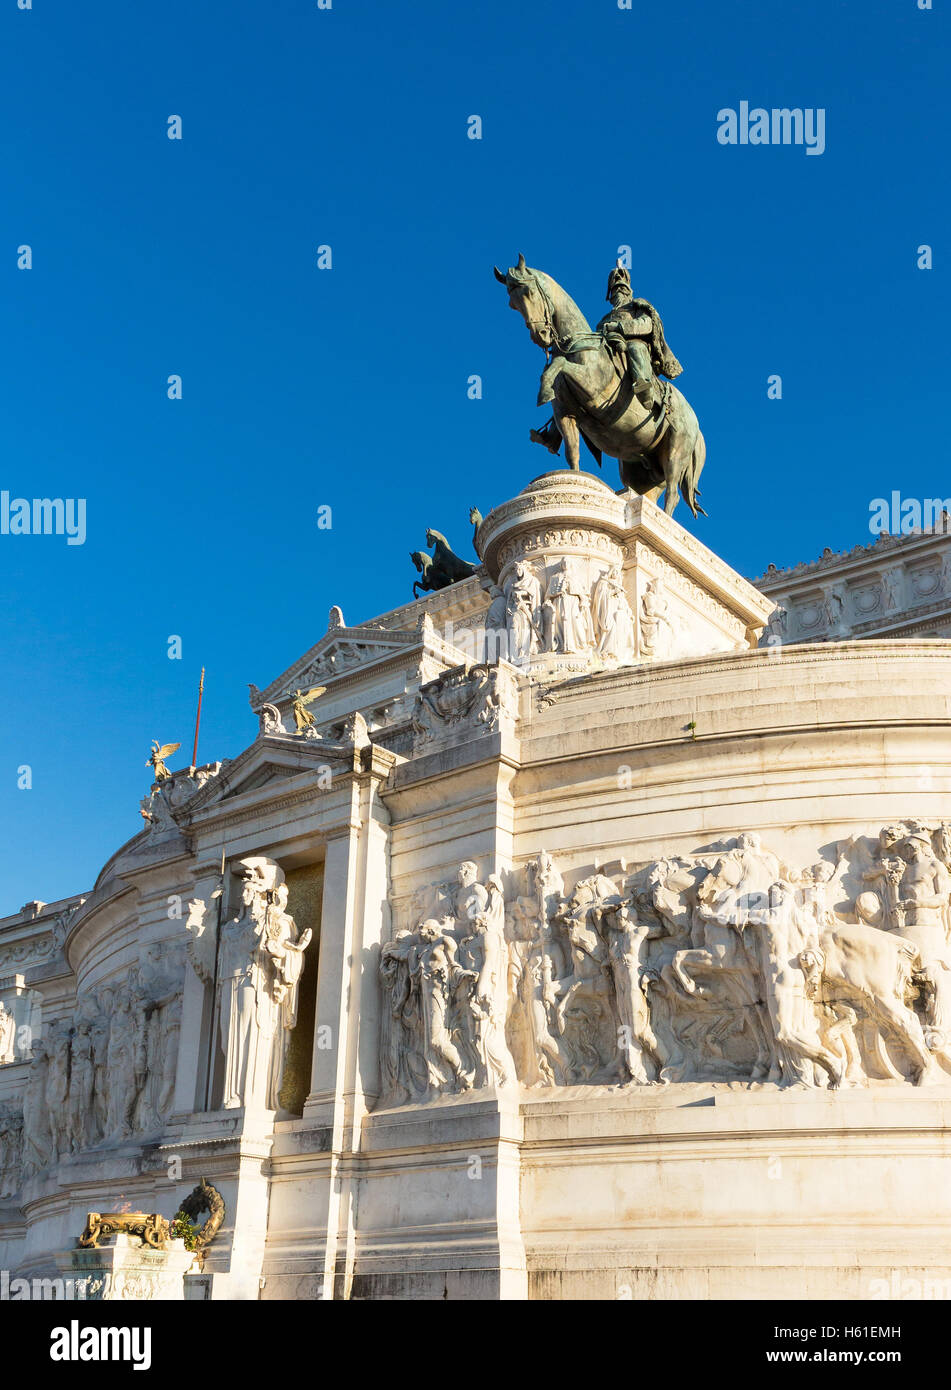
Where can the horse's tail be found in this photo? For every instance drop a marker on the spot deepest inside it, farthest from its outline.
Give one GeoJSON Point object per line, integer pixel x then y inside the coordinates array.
{"type": "Point", "coordinates": [688, 483]}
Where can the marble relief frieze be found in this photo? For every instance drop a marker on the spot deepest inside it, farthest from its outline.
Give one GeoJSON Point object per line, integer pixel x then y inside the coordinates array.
{"type": "Point", "coordinates": [729, 965]}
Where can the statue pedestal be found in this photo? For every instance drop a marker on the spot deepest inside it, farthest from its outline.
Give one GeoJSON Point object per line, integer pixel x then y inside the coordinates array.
{"type": "Point", "coordinates": [124, 1267]}
{"type": "Point", "coordinates": [570, 532]}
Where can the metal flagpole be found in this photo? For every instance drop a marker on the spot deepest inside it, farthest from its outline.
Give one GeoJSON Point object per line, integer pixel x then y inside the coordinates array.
{"type": "Point", "coordinates": [201, 686]}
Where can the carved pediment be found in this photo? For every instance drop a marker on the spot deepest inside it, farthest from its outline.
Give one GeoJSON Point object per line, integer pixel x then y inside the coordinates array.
{"type": "Point", "coordinates": [271, 772]}
{"type": "Point", "coordinates": [272, 760]}
{"type": "Point", "coordinates": [339, 652]}
{"type": "Point", "coordinates": [344, 651]}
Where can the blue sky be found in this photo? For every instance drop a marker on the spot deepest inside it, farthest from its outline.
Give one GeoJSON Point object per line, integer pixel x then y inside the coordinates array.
{"type": "Point", "coordinates": [348, 387]}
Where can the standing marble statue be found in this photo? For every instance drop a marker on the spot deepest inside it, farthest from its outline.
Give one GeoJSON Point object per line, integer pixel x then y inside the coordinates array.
{"type": "Point", "coordinates": [523, 612]}
{"type": "Point", "coordinates": [37, 1141]}
{"type": "Point", "coordinates": [440, 975]}
{"type": "Point", "coordinates": [923, 908]}
{"type": "Point", "coordinates": [158, 1003]}
{"type": "Point", "coordinates": [259, 964]}
{"type": "Point", "coordinates": [495, 643]}
{"type": "Point", "coordinates": [536, 961]}
{"type": "Point", "coordinates": [81, 1081]}
{"type": "Point", "coordinates": [283, 948]}
{"type": "Point", "coordinates": [489, 997]}
{"type": "Point", "coordinates": [789, 945]}
{"type": "Point", "coordinates": [628, 937]}
{"type": "Point", "coordinates": [657, 630]}
{"type": "Point", "coordinates": [123, 1066]}
{"type": "Point", "coordinates": [565, 613]}
{"type": "Point", "coordinates": [57, 1088]}
{"type": "Point", "coordinates": [587, 1014]}
{"type": "Point", "coordinates": [99, 1029]}
{"type": "Point", "coordinates": [8, 1033]}
{"type": "Point", "coordinates": [11, 1146]}
{"type": "Point", "coordinates": [613, 619]}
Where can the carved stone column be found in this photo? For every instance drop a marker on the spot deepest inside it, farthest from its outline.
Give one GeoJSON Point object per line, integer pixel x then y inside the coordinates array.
{"type": "Point", "coordinates": [345, 1071]}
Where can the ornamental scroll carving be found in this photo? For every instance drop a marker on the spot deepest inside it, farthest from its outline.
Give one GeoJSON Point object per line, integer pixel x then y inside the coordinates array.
{"type": "Point", "coordinates": [463, 703]}
{"type": "Point", "coordinates": [151, 1228]}
{"type": "Point", "coordinates": [724, 966]}
{"type": "Point", "coordinates": [559, 540]}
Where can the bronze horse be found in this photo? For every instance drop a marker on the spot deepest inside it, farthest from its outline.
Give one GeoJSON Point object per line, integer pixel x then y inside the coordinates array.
{"type": "Point", "coordinates": [658, 451]}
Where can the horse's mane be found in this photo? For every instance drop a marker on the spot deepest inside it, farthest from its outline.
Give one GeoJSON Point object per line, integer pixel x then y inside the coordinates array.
{"type": "Point", "coordinates": [565, 306]}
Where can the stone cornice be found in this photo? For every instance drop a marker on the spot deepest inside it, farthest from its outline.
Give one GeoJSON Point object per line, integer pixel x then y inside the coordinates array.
{"type": "Point", "coordinates": [289, 753]}
{"type": "Point", "coordinates": [803, 653]}
{"type": "Point", "coordinates": [884, 548]}
{"type": "Point", "coordinates": [41, 920]}
{"type": "Point", "coordinates": [395, 645]}
{"type": "Point", "coordinates": [223, 817]}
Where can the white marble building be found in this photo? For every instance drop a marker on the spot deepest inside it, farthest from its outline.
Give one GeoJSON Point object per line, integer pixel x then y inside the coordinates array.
{"type": "Point", "coordinates": [579, 947]}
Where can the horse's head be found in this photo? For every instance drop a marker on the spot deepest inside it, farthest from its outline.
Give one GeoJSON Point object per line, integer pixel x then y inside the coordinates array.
{"type": "Point", "coordinates": [420, 560]}
{"type": "Point", "coordinates": [528, 296]}
{"type": "Point", "coordinates": [433, 537]}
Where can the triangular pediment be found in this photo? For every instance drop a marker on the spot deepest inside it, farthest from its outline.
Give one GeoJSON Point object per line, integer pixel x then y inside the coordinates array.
{"type": "Point", "coordinates": [271, 761]}
{"type": "Point", "coordinates": [261, 777]}
{"type": "Point", "coordinates": [347, 652]}
{"type": "Point", "coordinates": [340, 652]}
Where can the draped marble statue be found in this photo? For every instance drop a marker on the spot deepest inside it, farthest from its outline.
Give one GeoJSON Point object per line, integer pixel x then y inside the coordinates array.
{"type": "Point", "coordinates": [657, 629]}
{"type": "Point", "coordinates": [729, 965]}
{"type": "Point", "coordinates": [566, 613]}
{"type": "Point", "coordinates": [8, 1034]}
{"type": "Point", "coordinates": [81, 1084]}
{"type": "Point", "coordinates": [11, 1148]}
{"type": "Point", "coordinates": [255, 968]}
{"type": "Point", "coordinates": [36, 1125]}
{"type": "Point", "coordinates": [613, 619]}
{"type": "Point", "coordinates": [523, 612]}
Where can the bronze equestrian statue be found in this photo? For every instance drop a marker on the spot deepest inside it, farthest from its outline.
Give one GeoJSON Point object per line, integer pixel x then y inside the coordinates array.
{"type": "Point", "coordinates": [605, 385]}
